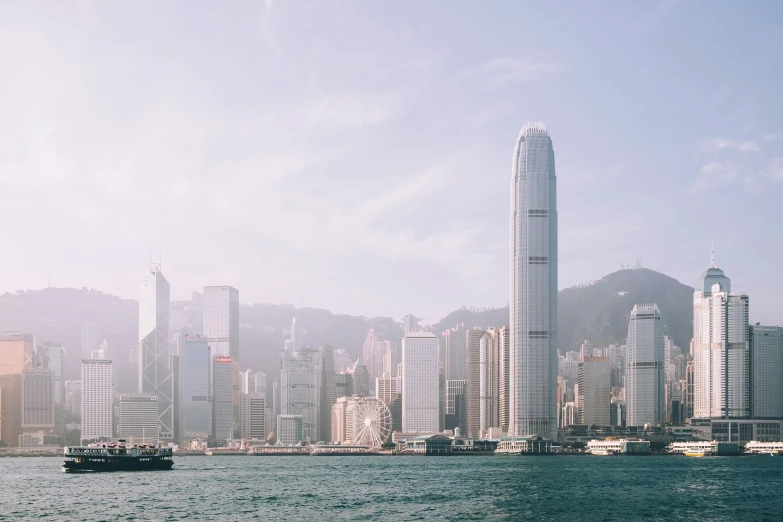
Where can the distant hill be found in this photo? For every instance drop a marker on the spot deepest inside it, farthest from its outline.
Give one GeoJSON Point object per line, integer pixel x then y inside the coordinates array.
{"type": "Point", "coordinates": [600, 312]}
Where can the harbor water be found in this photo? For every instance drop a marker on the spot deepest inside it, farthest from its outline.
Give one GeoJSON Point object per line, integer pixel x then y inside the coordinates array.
{"type": "Point", "coordinates": [402, 488]}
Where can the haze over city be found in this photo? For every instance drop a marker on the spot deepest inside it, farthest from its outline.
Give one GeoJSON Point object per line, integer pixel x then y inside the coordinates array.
{"type": "Point", "coordinates": [356, 154]}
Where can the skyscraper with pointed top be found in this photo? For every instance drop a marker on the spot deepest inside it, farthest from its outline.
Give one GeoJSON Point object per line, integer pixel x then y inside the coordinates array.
{"type": "Point", "coordinates": [533, 303]}
{"type": "Point", "coordinates": [155, 375]}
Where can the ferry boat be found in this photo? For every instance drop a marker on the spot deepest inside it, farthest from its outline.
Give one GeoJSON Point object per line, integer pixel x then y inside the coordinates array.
{"type": "Point", "coordinates": [117, 457]}
{"type": "Point", "coordinates": [698, 452]}
{"type": "Point", "coordinates": [602, 452]}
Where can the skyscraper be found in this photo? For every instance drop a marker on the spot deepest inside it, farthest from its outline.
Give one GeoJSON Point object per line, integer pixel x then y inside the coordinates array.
{"type": "Point", "coordinates": [504, 359]}
{"type": "Point", "coordinates": [222, 398]}
{"type": "Point", "coordinates": [195, 397]}
{"type": "Point", "coordinates": [644, 373]}
{"type": "Point", "coordinates": [155, 376]}
{"type": "Point", "coordinates": [420, 383]}
{"type": "Point", "coordinates": [328, 390]}
{"type": "Point", "coordinates": [533, 303]}
{"type": "Point", "coordinates": [221, 320]}
{"type": "Point", "coordinates": [300, 390]}
{"type": "Point", "coordinates": [252, 411]}
{"type": "Point", "coordinates": [721, 351]}
{"type": "Point", "coordinates": [766, 344]}
{"type": "Point", "coordinates": [37, 399]}
{"type": "Point", "coordinates": [454, 356]}
{"type": "Point", "coordinates": [595, 393]}
{"type": "Point", "coordinates": [16, 356]}
{"type": "Point", "coordinates": [97, 395]}
{"type": "Point", "coordinates": [138, 418]}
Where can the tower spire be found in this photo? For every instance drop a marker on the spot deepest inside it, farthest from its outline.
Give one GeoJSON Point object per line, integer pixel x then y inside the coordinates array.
{"type": "Point", "coordinates": [712, 255]}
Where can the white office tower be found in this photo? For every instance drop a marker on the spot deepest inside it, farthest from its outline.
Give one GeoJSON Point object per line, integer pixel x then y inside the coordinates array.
{"type": "Point", "coordinates": [300, 389]}
{"type": "Point", "coordinates": [533, 303]}
{"type": "Point", "coordinates": [155, 375]}
{"type": "Point", "coordinates": [420, 379]}
{"type": "Point", "coordinates": [221, 320]}
{"type": "Point", "coordinates": [252, 416]}
{"type": "Point", "coordinates": [720, 348]}
{"type": "Point", "coordinates": [195, 396]}
{"type": "Point", "coordinates": [138, 418]}
{"type": "Point", "coordinates": [96, 399]}
{"type": "Point", "coordinates": [644, 372]}
{"type": "Point", "coordinates": [766, 344]}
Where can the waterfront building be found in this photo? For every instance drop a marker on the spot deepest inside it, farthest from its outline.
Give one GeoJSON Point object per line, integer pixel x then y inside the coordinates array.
{"type": "Point", "coordinates": [533, 303]}
{"type": "Point", "coordinates": [252, 411]}
{"type": "Point", "coordinates": [420, 382]}
{"type": "Point", "coordinates": [644, 373]}
{"type": "Point", "coordinates": [619, 446]}
{"type": "Point", "coordinates": [97, 399]}
{"type": "Point", "coordinates": [221, 320]}
{"type": "Point", "coordinates": [37, 399]}
{"type": "Point", "coordinates": [766, 352]}
{"type": "Point", "coordinates": [155, 375]}
{"type": "Point", "coordinates": [290, 429]}
{"type": "Point", "coordinates": [720, 348]}
{"type": "Point", "coordinates": [301, 388]}
{"type": "Point", "coordinates": [195, 396]}
{"type": "Point", "coordinates": [222, 398]}
{"type": "Point", "coordinates": [138, 418]}
{"type": "Point", "coordinates": [595, 393]}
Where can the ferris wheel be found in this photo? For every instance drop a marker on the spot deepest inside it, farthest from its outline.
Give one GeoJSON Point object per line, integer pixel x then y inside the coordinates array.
{"type": "Point", "coordinates": [372, 422]}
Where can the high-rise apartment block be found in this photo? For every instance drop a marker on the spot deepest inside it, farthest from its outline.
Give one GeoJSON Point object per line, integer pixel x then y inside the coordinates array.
{"type": "Point", "coordinates": [221, 320]}
{"type": "Point", "coordinates": [644, 374]}
{"type": "Point", "coordinates": [420, 383]}
{"type": "Point", "coordinates": [97, 398]}
{"type": "Point", "coordinates": [533, 303]}
{"type": "Point", "coordinates": [595, 392]}
{"type": "Point", "coordinates": [155, 374]}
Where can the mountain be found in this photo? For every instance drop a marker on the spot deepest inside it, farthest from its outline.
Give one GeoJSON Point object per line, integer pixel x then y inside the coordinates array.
{"type": "Point", "coordinates": [600, 312]}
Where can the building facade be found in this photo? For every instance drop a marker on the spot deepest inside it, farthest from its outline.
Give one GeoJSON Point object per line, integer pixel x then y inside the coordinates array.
{"type": "Point", "coordinates": [97, 399]}
{"type": "Point", "coordinates": [766, 347]}
{"type": "Point", "coordinates": [221, 320]}
{"type": "Point", "coordinates": [644, 372]}
{"type": "Point", "coordinates": [721, 348]}
{"type": "Point", "coordinates": [595, 391]}
{"type": "Point", "coordinates": [252, 411]}
{"type": "Point", "coordinates": [290, 429]}
{"type": "Point", "coordinates": [533, 303]}
{"type": "Point", "coordinates": [155, 374]}
{"type": "Point", "coordinates": [222, 398]}
{"type": "Point", "coordinates": [37, 399]}
{"type": "Point", "coordinates": [300, 389]}
{"type": "Point", "coordinates": [420, 383]}
{"type": "Point", "coordinates": [137, 420]}
{"type": "Point", "coordinates": [195, 396]}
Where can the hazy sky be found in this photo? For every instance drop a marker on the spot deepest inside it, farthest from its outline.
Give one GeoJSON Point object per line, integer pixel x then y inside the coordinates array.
{"type": "Point", "coordinates": [359, 153]}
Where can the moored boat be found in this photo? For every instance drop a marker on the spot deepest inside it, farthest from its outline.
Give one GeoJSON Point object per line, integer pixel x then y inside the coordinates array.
{"type": "Point", "coordinates": [117, 457]}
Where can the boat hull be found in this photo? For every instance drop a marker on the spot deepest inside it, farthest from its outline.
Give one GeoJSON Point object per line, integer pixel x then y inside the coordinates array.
{"type": "Point", "coordinates": [72, 466]}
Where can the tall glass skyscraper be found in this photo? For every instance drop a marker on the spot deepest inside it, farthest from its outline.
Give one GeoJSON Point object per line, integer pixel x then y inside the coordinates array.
{"type": "Point", "coordinates": [195, 406]}
{"type": "Point", "coordinates": [533, 304]}
{"type": "Point", "coordinates": [221, 320]}
{"type": "Point", "coordinates": [644, 371]}
{"type": "Point", "coordinates": [155, 375]}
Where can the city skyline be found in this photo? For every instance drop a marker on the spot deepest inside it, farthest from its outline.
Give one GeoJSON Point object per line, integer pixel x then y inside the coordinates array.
{"type": "Point", "coordinates": [710, 134]}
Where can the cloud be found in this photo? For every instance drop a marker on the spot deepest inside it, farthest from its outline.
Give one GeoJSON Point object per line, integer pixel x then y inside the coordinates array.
{"type": "Point", "coordinates": [773, 170]}
{"type": "Point", "coordinates": [717, 144]}
{"type": "Point", "coordinates": [269, 27]}
{"type": "Point", "coordinates": [498, 73]}
{"type": "Point", "coordinates": [714, 175]}
{"type": "Point", "coordinates": [775, 136]}
{"type": "Point", "coordinates": [353, 110]}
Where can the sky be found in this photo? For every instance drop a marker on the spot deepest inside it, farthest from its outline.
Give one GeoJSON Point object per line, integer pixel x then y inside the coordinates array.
{"type": "Point", "coordinates": [356, 155]}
